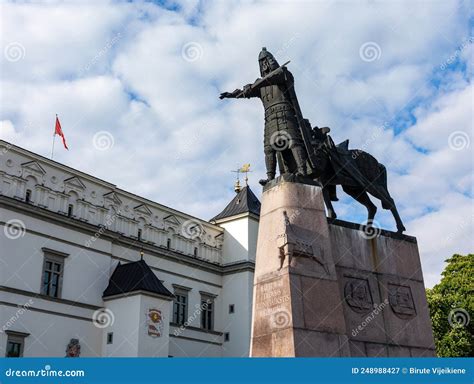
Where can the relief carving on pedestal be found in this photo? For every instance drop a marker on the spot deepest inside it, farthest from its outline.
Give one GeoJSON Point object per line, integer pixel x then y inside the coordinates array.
{"type": "Point", "coordinates": [357, 294]}
{"type": "Point", "coordinates": [297, 242]}
{"type": "Point", "coordinates": [73, 349]}
{"type": "Point", "coordinates": [401, 301]}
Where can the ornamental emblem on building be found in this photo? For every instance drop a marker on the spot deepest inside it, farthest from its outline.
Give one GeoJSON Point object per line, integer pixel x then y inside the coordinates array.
{"type": "Point", "coordinates": [155, 322]}
{"type": "Point", "coordinates": [401, 301]}
{"type": "Point", "coordinates": [357, 295]}
{"type": "Point", "coordinates": [73, 349]}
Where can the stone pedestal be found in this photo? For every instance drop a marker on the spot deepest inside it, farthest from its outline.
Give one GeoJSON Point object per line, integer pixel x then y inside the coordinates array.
{"type": "Point", "coordinates": [333, 289]}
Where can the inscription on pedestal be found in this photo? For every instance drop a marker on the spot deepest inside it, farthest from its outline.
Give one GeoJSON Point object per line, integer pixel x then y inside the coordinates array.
{"type": "Point", "coordinates": [271, 304]}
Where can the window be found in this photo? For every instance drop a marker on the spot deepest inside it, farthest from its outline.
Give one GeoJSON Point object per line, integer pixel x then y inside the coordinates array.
{"type": "Point", "coordinates": [139, 235]}
{"type": "Point", "coordinates": [227, 336]}
{"type": "Point", "coordinates": [53, 269]}
{"type": "Point", "coordinates": [207, 311]}
{"type": "Point", "coordinates": [195, 251]}
{"type": "Point", "coordinates": [231, 308]}
{"type": "Point", "coordinates": [110, 338]}
{"type": "Point", "coordinates": [28, 196]}
{"type": "Point", "coordinates": [15, 343]}
{"type": "Point", "coordinates": [70, 210]}
{"type": "Point", "coordinates": [180, 305]}
{"type": "Point", "coordinates": [168, 243]}
{"type": "Point", "coordinates": [14, 348]}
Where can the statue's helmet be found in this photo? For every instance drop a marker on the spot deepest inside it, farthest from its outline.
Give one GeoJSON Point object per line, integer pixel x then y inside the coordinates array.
{"type": "Point", "coordinates": [267, 62]}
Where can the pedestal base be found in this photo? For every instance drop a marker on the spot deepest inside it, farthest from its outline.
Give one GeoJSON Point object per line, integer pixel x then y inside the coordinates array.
{"type": "Point", "coordinates": [333, 289]}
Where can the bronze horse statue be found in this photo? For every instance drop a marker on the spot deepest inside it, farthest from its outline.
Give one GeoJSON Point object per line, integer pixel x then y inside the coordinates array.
{"type": "Point", "coordinates": [358, 172]}
{"type": "Point", "coordinates": [306, 152]}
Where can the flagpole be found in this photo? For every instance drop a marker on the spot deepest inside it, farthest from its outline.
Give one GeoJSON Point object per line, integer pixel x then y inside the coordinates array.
{"type": "Point", "coordinates": [54, 139]}
{"type": "Point", "coordinates": [52, 149]}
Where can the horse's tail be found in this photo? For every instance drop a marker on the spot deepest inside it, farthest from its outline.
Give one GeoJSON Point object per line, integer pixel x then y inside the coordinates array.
{"type": "Point", "coordinates": [383, 184]}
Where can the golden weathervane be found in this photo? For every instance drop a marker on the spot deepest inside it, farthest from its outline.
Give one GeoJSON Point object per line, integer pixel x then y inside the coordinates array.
{"type": "Point", "coordinates": [244, 169]}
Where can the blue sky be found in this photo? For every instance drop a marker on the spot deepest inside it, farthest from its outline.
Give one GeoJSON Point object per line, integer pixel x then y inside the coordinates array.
{"type": "Point", "coordinates": [136, 87]}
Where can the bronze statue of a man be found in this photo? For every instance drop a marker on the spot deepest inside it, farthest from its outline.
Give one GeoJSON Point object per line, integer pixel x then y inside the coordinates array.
{"type": "Point", "coordinates": [282, 134]}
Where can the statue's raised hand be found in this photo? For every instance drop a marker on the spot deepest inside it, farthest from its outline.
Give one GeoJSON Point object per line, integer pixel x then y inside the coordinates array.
{"type": "Point", "coordinates": [229, 95]}
{"type": "Point", "coordinates": [225, 95]}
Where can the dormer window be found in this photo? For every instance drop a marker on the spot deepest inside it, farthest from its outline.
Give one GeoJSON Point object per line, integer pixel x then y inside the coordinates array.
{"type": "Point", "coordinates": [28, 196]}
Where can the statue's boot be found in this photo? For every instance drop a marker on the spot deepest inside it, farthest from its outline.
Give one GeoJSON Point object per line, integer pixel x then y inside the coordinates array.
{"type": "Point", "coordinates": [270, 177]}
{"type": "Point", "coordinates": [270, 163]}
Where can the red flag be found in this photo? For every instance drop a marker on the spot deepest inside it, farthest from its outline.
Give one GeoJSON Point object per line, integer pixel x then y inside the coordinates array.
{"type": "Point", "coordinates": [59, 131]}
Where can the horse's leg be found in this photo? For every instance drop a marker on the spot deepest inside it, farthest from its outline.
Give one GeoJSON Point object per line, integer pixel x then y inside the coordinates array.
{"type": "Point", "coordinates": [327, 201]}
{"type": "Point", "coordinates": [398, 220]}
{"type": "Point", "coordinates": [362, 197]}
{"type": "Point", "coordinates": [389, 203]}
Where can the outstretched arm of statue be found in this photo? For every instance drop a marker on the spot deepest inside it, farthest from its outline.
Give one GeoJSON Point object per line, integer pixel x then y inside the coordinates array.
{"type": "Point", "coordinates": [247, 92]}
{"type": "Point", "coordinates": [230, 95]}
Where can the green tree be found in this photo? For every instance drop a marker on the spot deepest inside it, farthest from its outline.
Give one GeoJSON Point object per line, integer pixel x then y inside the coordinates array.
{"type": "Point", "coordinates": [451, 304]}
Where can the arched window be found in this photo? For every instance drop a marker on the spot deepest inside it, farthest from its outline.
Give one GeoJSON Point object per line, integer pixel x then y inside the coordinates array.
{"type": "Point", "coordinates": [31, 182]}
{"type": "Point", "coordinates": [72, 204]}
{"type": "Point", "coordinates": [70, 210]}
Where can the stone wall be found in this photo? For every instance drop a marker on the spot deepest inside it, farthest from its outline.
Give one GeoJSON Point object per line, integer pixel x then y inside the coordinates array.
{"type": "Point", "coordinates": [382, 291]}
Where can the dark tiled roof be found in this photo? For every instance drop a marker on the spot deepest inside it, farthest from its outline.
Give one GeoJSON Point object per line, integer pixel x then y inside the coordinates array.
{"type": "Point", "coordinates": [245, 201]}
{"type": "Point", "coordinates": [136, 276]}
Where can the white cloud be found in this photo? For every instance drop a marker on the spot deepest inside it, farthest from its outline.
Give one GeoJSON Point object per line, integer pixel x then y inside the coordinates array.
{"type": "Point", "coordinates": [7, 131]}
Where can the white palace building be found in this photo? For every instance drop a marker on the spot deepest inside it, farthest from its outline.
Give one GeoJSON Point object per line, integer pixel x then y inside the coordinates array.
{"type": "Point", "coordinates": [88, 269]}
